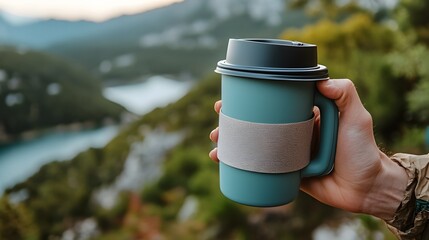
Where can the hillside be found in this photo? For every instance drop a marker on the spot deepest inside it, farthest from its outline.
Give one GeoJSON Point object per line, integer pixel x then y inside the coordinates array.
{"type": "Point", "coordinates": [187, 173]}
{"type": "Point", "coordinates": [39, 91]}
{"type": "Point", "coordinates": [177, 196]}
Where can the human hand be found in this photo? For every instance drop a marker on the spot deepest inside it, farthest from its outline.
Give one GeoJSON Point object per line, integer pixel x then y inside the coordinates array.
{"type": "Point", "coordinates": [364, 179]}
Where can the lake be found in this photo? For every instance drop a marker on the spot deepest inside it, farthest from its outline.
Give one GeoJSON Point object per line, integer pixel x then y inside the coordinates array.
{"type": "Point", "coordinates": [141, 98]}
{"type": "Point", "coordinates": [21, 159]}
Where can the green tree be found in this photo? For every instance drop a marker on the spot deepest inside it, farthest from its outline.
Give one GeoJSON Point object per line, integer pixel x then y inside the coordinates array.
{"type": "Point", "coordinates": [412, 16]}
{"type": "Point", "coordinates": [16, 222]}
{"type": "Point", "coordinates": [357, 48]}
{"type": "Point", "coordinates": [326, 9]}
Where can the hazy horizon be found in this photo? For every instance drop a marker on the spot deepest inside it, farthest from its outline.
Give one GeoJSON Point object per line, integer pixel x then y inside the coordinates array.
{"type": "Point", "coordinates": [20, 12]}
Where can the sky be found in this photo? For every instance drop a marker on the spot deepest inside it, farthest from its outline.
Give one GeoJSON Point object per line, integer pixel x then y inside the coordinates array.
{"type": "Point", "coordinates": [93, 10]}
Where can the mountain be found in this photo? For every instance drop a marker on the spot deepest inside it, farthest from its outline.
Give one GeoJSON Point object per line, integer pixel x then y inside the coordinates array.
{"type": "Point", "coordinates": [17, 20]}
{"type": "Point", "coordinates": [39, 91]}
{"type": "Point", "coordinates": [184, 37]}
{"type": "Point", "coordinates": [190, 36]}
{"type": "Point", "coordinates": [4, 29]}
{"type": "Point", "coordinates": [49, 32]}
{"type": "Point", "coordinates": [38, 34]}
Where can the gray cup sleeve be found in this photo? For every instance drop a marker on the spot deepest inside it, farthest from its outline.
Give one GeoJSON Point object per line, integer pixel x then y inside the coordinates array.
{"type": "Point", "coordinates": [264, 148]}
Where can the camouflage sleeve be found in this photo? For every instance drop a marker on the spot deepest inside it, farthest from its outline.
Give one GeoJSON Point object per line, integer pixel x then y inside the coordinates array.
{"type": "Point", "coordinates": [412, 215]}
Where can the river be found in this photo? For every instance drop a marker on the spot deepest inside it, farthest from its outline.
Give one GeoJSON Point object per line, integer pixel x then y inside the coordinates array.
{"type": "Point", "coordinates": [21, 159]}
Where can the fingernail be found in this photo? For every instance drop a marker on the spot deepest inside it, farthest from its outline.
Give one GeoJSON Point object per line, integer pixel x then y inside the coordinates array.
{"type": "Point", "coordinates": [212, 154]}
{"type": "Point", "coordinates": [216, 105]}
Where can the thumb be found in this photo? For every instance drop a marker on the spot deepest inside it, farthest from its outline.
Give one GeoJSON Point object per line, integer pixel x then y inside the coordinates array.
{"type": "Point", "coordinates": [344, 93]}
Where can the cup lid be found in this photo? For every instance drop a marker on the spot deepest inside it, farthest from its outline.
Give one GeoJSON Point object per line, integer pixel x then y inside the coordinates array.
{"type": "Point", "coordinates": [272, 59]}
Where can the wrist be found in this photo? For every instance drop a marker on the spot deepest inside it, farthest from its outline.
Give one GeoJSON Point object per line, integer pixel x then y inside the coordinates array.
{"type": "Point", "coordinates": [388, 190]}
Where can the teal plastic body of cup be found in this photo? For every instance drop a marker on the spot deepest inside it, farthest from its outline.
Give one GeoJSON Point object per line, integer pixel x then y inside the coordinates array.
{"type": "Point", "coordinates": [274, 82]}
{"type": "Point", "coordinates": [271, 101]}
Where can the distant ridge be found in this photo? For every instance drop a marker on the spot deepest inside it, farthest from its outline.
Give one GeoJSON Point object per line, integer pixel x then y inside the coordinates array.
{"type": "Point", "coordinates": [186, 37]}
{"type": "Point", "coordinates": [181, 38]}
{"type": "Point", "coordinates": [16, 20]}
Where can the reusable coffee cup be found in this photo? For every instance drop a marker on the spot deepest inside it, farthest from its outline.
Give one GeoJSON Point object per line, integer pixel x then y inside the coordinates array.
{"type": "Point", "coordinates": [266, 120]}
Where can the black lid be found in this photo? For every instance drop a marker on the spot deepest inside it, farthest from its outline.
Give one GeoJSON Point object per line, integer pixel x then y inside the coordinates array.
{"type": "Point", "coordinates": [272, 59]}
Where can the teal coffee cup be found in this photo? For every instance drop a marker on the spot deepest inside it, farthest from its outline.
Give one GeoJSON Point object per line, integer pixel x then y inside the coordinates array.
{"type": "Point", "coordinates": [266, 121]}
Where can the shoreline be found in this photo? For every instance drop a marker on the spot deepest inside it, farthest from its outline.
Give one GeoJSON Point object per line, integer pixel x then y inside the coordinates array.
{"type": "Point", "coordinates": [8, 139]}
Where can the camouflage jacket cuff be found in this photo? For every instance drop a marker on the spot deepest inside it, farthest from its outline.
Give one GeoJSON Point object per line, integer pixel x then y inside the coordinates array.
{"type": "Point", "coordinates": [411, 217]}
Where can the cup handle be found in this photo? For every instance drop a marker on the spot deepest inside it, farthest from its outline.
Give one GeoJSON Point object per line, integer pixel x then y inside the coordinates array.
{"type": "Point", "coordinates": [323, 162]}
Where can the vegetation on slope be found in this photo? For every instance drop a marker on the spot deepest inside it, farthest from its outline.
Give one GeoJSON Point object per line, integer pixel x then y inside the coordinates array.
{"type": "Point", "coordinates": [39, 91]}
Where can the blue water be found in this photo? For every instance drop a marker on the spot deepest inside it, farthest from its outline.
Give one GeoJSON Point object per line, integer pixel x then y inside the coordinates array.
{"type": "Point", "coordinates": [141, 98]}
{"type": "Point", "coordinates": [21, 159]}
